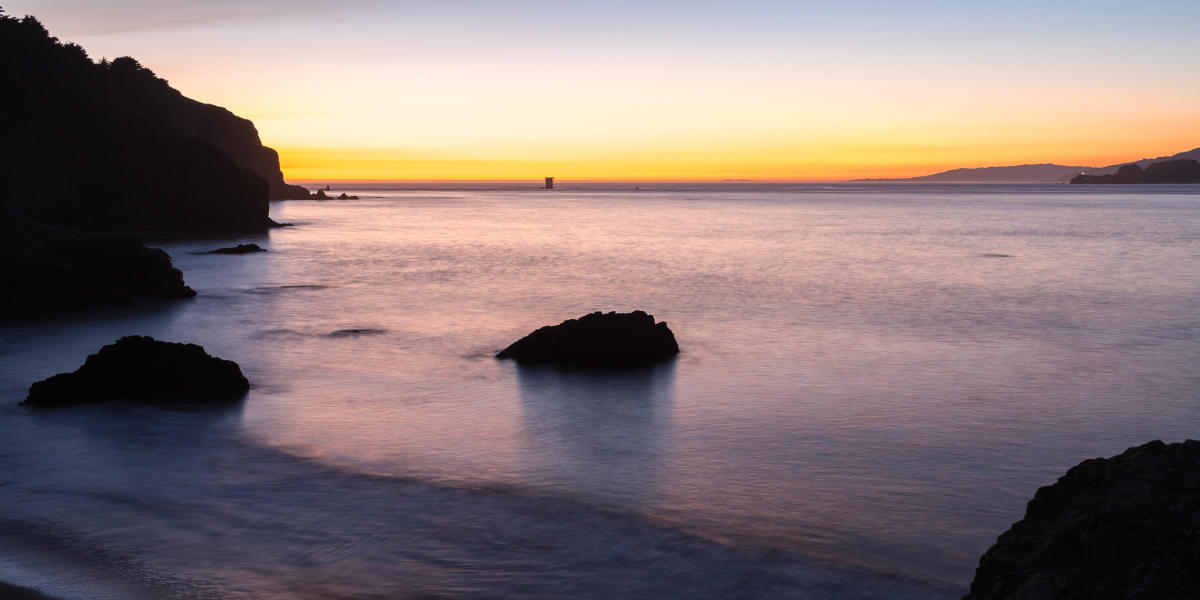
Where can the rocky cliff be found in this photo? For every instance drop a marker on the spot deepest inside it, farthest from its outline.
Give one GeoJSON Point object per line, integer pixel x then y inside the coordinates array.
{"type": "Point", "coordinates": [108, 145]}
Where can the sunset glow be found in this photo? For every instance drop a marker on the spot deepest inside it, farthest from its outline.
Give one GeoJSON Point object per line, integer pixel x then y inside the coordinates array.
{"type": "Point", "coordinates": [620, 91]}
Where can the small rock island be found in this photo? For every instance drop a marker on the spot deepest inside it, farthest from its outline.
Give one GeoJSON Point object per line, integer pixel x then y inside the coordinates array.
{"type": "Point", "coordinates": [612, 340]}
{"type": "Point", "coordinates": [238, 249]}
{"type": "Point", "coordinates": [1122, 527]}
{"type": "Point", "coordinates": [144, 370]}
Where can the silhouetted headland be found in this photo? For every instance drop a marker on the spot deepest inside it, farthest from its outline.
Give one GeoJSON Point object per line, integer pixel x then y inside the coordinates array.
{"type": "Point", "coordinates": [1171, 171]}
{"type": "Point", "coordinates": [1122, 527]}
{"type": "Point", "coordinates": [611, 340]}
{"type": "Point", "coordinates": [238, 249]}
{"type": "Point", "coordinates": [108, 145]}
{"type": "Point", "coordinates": [144, 370]}
{"type": "Point", "coordinates": [47, 269]}
{"type": "Point", "coordinates": [1029, 173]}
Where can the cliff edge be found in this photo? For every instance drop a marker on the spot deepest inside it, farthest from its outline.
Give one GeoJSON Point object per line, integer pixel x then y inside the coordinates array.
{"type": "Point", "coordinates": [110, 146]}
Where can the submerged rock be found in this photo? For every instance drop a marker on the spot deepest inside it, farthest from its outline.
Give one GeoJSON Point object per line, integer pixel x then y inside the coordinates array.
{"type": "Point", "coordinates": [597, 340]}
{"type": "Point", "coordinates": [145, 370]}
{"type": "Point", "coordinates": [1122, 527]}
{"type": "Point", "coordinates": [238, 249]}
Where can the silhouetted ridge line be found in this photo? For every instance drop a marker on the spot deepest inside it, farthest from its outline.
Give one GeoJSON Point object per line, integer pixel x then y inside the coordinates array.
{"type": "Point", "coordinates": [108, 145]}
{"type": "Point", "coordinates": [1171, 171]}
{"type": "Point", "coordinates": [1039, 173]}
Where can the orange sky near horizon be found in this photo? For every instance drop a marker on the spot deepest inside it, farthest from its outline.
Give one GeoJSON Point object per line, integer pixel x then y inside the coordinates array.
{"type": "Point", "coordinates": [630, 91]}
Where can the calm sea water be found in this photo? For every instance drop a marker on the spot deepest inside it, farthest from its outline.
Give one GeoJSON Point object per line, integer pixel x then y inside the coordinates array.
{"type": "Point", "coordinates": [874, 381]}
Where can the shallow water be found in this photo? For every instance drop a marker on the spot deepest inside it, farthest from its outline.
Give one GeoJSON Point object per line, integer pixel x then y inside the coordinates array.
{"type": "Point", "coordinates": [874, 380]}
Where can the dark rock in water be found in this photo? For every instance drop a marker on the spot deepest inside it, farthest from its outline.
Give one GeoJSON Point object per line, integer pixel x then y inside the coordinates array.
{"type": "Point", "coordinates": [46, 269]}
{"type": "Point", "coordinates": [343, 196]}
{"type": "Point", "coordinates": [1123, 527]}
{"type": "Point", "coordinates": [1170, 171]}
{"type": "Point", "coordinates": [238, 249]}
{"type": "Point", "coordinates": [145, 370]}
{"type": "Point", "coordinates": [355, 332]}
{"type": "Point", "coordinates": [597, 340]}
{"type": "Point", "coordinates": [320, 195]}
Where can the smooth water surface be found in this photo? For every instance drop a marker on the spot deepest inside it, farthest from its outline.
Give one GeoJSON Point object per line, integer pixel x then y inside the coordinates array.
{"type": "Point", "coordinates": [874, 381]}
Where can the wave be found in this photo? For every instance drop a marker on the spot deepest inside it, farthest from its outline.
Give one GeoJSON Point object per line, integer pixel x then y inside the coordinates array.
{"type": "Point", "coordinates": [231, 518]}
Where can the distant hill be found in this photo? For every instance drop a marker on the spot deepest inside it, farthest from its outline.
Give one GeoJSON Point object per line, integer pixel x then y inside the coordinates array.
{"type": "Point", "coordinates": [1039, 173]}
{"type": "Point", "coordinates": [1168, 171]}
{"type": "Point", "coordinates": [108, 145]}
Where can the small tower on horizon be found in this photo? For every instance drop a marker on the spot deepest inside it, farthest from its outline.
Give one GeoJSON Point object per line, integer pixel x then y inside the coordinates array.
{"type": "Point", "coordinates": [549, 183]}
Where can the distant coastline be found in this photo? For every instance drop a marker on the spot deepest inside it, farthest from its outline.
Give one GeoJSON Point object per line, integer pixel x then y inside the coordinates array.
{"type": "Point", "coordinates": [1029, 173]}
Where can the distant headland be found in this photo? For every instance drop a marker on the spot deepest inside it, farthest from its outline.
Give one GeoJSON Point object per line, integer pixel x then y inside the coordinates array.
{"type": "Point", "coordinates": [1033, 173]}
{"type": "Point", "coordinates": [1170, 171]}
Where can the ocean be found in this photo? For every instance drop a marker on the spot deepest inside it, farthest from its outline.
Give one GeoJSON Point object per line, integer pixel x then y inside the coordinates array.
{"type": "Point", "coordinates": [874, 380]}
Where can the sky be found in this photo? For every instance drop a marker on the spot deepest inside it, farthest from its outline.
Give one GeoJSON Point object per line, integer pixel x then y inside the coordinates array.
{"type": "Point", "coordinates": [616, 90]}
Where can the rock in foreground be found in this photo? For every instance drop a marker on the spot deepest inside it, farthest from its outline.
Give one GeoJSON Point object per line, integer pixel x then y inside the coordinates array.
{"type": "Point", "coordinates": [1122, 527]}
{"type": "Point", "coordinates": [143, 369]}
{"type": "Point", "coordinates": [597, 340]}
{"type": "Point", "coordinates": [46, 269]}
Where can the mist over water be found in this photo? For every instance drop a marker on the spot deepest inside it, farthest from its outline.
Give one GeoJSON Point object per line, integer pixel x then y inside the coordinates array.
{"type": "Point", "coordinates": [875, 379]}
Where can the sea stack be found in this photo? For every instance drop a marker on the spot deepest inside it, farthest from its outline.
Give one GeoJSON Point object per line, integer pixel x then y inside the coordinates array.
{"type": "Point", "coordinates": [612, 340]}
{"type": "Point", "coordinates": [144, 370]}
{"type": "Point", "coordinates": [1122, 527]}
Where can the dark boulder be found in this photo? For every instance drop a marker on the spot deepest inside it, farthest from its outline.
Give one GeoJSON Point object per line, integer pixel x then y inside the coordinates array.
{"type": "Point", "coordinates": [343, 196]}
{"type": "Point", "coordinates": [597, 340]}
{"type": "Point", "coordinates": [1122, 527]}
{"type": "Point", "coordinates": [46, 269]}
{"type": "Point", "coordinates": [238, 249]}
{"type": "Point", "coordinates": [320, 195]}
{"type": "Point", "coordinates": [145, 370]}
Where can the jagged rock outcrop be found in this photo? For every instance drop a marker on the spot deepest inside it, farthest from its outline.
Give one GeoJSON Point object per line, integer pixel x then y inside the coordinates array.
{"type": "Point", "coordinates": [144, 370]}
{"type": "Point", "coordinates": [47, 269]}
{"type": "Point", "coordinates": [1170, 171]}
{"type": "Point", "coordinates": [597, 340]}
{"type": "Point", "coordinates": [238, 249]}
{"type": "Point", "coordinates": [1123, 527]}
{"type": "Point", "coordinates": [111, 146]}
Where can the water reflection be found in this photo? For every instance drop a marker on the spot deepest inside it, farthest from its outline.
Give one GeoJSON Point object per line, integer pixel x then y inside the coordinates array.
{"type": "Point", "coordinates": [607, 433]}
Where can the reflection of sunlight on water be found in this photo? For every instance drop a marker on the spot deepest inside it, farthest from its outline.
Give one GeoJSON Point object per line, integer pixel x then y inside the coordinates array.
{"type": "Point", "coordinates": [862, 378]}
{"type": "Point", "coordinates": [598, 431]}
